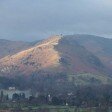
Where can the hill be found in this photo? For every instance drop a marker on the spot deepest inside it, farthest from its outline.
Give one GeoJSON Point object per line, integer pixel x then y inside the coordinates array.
{"type": "Point", "coordinates": [72, 59]}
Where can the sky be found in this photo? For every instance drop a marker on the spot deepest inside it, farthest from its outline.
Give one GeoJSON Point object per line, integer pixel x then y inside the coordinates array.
{"type": "Point", "coordinates": [30, 20]}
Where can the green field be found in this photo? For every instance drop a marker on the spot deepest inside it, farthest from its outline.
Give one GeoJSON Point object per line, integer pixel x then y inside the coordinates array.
{"type": "Point", "coordinates": [64, 109]}
{"type": "Point", "coordinates": [48, 108]}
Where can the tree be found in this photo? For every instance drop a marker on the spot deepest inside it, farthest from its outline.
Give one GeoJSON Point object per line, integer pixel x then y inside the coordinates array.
{"type": "Point", "coordinates": [2, 96]}
{"type": "Point", "coordinates": [7, 97]}
{"type": "Point", "coordinates": [15, 96]}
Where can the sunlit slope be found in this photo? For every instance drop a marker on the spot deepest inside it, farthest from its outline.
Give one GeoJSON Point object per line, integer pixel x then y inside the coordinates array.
{"type": "Point", "coordinates": [39, 57]}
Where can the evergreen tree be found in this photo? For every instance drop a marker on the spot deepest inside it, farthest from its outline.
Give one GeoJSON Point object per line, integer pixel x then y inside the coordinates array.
{"type": "Point", "coordinates": [2, 95]}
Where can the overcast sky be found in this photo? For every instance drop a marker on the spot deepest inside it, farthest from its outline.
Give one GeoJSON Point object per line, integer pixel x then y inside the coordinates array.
{"type": "Point", "coordinates": [35, 19]}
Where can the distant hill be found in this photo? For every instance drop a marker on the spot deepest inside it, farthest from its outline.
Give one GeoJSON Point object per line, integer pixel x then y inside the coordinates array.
{"type": "Point", "coordinates": [11, 47]}
{"type": "Point", "coordinates": [82, 59]}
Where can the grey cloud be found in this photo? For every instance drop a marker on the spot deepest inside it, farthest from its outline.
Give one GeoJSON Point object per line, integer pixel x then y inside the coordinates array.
{"type": "Point", "coordinates": [36, 19]}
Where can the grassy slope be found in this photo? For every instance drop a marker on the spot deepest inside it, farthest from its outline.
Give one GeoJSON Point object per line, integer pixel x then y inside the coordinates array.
{"type": "Point", "coordinates": [89, 79]}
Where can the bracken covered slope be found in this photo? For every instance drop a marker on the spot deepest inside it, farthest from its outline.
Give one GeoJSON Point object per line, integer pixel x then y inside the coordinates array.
{"type": "Point", "coordinates": [40, 56]}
